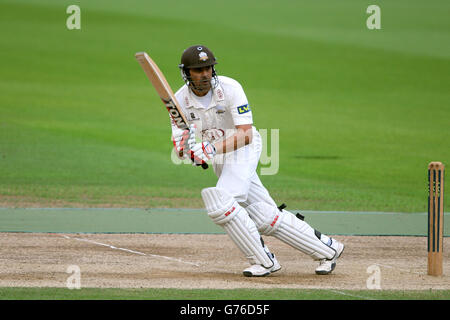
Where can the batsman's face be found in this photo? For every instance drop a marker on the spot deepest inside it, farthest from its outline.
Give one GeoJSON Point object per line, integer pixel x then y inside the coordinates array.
{"type": "Point", "coordinates": [201, 80]}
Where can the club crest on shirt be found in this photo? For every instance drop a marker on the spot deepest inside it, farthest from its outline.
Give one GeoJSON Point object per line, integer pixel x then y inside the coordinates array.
{"type": "Point", "coordinates": [243, 109]}
{"type": "Point", "coordinates": [192, 116]}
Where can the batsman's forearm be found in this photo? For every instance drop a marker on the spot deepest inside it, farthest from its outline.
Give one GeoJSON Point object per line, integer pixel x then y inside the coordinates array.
{"type": "Point", "coordinates": [238, 140]}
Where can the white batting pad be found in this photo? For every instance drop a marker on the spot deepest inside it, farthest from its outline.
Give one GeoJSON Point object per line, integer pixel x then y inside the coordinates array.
{"type": "Point", "coordinates": [220, 205]}
{"type": "Point", "coordinates": [286, 227]}
{"type": "Point", "coordinates": [226, 212]}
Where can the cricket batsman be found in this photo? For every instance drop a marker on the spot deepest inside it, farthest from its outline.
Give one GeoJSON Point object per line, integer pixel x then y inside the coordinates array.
{"type": "Point", "coordinates": [221, 130]}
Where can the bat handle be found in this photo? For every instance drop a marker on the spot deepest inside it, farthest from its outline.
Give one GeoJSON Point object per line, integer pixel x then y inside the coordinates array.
{"type": "Point", "coordinates": [204, 164]}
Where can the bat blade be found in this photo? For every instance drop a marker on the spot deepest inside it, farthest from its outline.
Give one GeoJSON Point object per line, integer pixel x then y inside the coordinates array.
{"type": "Point", "coordinates": [163, 89]}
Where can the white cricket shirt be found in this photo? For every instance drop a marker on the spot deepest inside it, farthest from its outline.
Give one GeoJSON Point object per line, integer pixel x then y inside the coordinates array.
{"type": "Point", "coordinates": [228, 108]}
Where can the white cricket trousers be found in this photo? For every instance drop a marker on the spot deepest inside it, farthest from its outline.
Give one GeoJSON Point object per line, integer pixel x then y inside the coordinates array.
{"type": "Point", "coordinates": [237, 173]}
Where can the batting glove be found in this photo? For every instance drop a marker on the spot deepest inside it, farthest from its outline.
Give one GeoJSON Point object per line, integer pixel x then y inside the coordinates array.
{"type": "Point", "coordinates": [180, 140]}
{"type": "Point", "coordinates": [203, 151]}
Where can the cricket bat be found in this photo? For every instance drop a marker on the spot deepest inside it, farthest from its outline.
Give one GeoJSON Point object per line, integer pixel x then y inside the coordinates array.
{"type": "Point", "coordinates": [164, 91]}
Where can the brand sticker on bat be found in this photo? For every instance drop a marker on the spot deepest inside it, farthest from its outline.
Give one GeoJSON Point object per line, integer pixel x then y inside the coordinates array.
{"type": "Point", "coordinates": [173, 111]}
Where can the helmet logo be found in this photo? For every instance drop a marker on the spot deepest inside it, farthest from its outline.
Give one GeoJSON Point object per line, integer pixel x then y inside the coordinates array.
{"type": "Point", "coordinates": [203, 56]}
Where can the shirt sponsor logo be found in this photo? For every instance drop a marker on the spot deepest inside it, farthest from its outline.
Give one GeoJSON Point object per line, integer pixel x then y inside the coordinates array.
{"type": "Point", "coordinates": [243, 109]}
{"type": "Point", "coordinates": [220, 94]}
{"type": "Point", "coordinates": [193, 116]}
{"type": "Point", "coordinates": [212, 134]}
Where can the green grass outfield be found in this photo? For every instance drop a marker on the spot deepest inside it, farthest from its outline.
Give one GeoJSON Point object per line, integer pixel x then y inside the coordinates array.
{"type": "Point", "coordinates": [210, 294]}
{"type": "Point", "coordinates": [361, 112]}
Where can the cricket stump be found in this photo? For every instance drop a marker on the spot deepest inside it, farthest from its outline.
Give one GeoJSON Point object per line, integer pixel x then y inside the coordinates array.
{"type": "Point", "coordinates": [435, 217]}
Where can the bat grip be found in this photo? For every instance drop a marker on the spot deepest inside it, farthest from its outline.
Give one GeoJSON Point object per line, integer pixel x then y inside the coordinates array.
{"type": "Point", "coordinates": [204, 164]}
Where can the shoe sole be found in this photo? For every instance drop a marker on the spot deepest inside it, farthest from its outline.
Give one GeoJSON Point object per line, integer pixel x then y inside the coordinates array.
{"type": "Point", "coordinates": [333, 265]}
{"type": "Point", "coordinates": [272, 271]}
{"type": "Point", "coordinates": [249, 274]}
{"type": "Point", "coordinates": [327, 272]}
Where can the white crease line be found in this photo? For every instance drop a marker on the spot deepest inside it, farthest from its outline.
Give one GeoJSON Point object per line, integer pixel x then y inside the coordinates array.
{"type": "Point", "coordinates": [131, 251]}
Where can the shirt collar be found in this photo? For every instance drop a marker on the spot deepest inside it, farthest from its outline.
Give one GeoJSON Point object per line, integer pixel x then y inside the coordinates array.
{"type": "Point", "coordinates": [217, 96]}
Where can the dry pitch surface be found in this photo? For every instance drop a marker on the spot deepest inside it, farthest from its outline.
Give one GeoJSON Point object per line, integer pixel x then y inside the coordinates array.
{"type": "Point", "coordinates": [206, 261]}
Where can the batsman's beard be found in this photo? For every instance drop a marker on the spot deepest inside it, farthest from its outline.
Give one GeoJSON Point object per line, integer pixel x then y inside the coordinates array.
{"type": "Point", "coordinates": [201, 86]}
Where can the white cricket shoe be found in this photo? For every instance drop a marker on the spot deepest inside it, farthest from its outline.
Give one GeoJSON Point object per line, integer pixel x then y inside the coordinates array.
{"type": "Point", "coordinates": [258, 270]}
{"type": "Point", "coordinates": [327, 266]}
